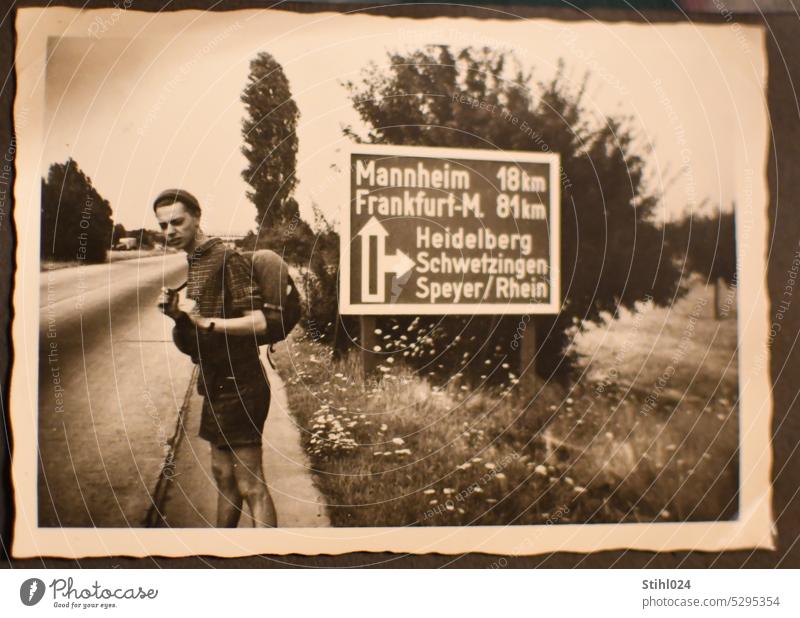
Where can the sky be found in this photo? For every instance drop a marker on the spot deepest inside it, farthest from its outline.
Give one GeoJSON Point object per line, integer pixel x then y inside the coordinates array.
{"type": "Point", "coordinates": [144, 109]}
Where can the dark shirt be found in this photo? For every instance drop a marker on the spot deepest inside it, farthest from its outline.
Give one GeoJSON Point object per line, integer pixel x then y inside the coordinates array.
{"type": "Point", "coordinates": [221, 284]}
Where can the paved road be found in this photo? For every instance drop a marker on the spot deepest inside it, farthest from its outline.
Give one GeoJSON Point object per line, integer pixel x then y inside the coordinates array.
{"type": "Point", "coordinates": [111, 387]}
{"type": "Point", "coordinates": [111, 383]}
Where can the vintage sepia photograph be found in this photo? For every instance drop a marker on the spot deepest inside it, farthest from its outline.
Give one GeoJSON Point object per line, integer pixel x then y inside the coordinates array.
{"type": "Point", "coordinates": [314, 283]}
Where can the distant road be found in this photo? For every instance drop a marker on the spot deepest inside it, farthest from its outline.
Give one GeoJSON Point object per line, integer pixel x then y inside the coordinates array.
{"type": "Point", "coordinates": [110, 386]}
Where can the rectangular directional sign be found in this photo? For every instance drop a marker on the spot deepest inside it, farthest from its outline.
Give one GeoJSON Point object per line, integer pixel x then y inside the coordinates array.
{"type": "Point", "coordinates": [441, 230]}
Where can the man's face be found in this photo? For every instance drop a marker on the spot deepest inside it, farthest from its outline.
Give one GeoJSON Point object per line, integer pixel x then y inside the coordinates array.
{"type": "Point", "coordinates": [178, 224]}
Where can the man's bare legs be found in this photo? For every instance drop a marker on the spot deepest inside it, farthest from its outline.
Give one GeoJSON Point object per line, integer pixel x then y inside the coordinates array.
{"type": "Point", "coordinates": [249, 473]}
{"type": "Point", "coordinates": [229, 498]}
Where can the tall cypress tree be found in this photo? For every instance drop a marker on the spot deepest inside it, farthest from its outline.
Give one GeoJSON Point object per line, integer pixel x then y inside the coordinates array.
{"type": "Point", "coordinates": [270, 140]}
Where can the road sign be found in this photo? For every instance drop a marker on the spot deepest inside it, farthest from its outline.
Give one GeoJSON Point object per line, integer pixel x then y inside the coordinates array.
{"type": "Point", "coordinates": [444, 231]}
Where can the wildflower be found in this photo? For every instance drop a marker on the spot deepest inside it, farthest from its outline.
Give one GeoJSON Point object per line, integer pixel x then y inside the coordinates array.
{"type": "Point", "coordinates": [491, 500]}
{"type": "Point", "coordinates": [384, 427]}
{"type": "Point", "coordinates": [568, 480]}
{"type": "Point", "coordinates": [505, 366]}
{"type": "Point", "coordinates": [449, 506]}
{"type": "Point", "coordinates": [477, 490]}
{"type": "Point", "coordinates": [398, 441]}
{"type": "Point", "coordinates": [476, 460]}
{"type": "Point", "coordinates": [378, 331]}
{"type": "Point", "coordinates": [432, 502]}
{"type": "Point", "coordinates": [579, 490]}
{"type": "Point", "coordinates": [403, 451]}
{"type": "Point", "coordinates": [489, 466]}
{"type": "Point", "coordinates": [428, 492]}
{"type": "Point", "coordinates": [464, 466]}
{"type": "Point", "coordinates": [569, 401]}
{"type": "Point", "coordinates": [664, 514]}
{"type": "Point", "coordinates": [376, 348]}
{"type": "Point", "coordinates": [448, 490]}
{"type": "Point", "coordinates": [500, 475]}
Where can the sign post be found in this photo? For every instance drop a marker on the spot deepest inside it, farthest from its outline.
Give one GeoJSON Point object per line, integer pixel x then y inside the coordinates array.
{"type": "Point", "coordinates": [430, 231]}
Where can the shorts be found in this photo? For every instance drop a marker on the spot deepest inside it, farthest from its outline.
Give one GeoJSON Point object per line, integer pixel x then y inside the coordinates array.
{"type": "Point", "coordinates": [235, 412]}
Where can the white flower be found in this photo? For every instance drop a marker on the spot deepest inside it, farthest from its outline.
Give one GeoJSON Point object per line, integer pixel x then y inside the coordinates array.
{"type": "Point", "coordinates": [428, 492]}
{"type": "Point", "coordinates": [384, 427]}
{"type": "Point", "coordinates": [490, 466]}
{"type": "Point", "coordinates": [540, 469]}
{"type": "Point", "coordinates": [448, 490]}
{"type": "Point", "coordinates": [398, 441]}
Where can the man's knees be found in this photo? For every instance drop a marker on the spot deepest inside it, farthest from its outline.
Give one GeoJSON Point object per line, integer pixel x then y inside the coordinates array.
{"type": "Point", "coordinates": [223, 472]}
{"type": "Point", "coordinates": [252, 488]}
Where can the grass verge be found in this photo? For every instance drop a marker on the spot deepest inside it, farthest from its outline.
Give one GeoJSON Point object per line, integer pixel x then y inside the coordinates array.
{"type": "Point", "coordinates": [401, 451]}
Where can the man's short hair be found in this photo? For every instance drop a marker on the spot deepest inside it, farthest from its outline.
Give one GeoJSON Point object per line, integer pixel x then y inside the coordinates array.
{"type": "Point", "coordinates": [172, 196]}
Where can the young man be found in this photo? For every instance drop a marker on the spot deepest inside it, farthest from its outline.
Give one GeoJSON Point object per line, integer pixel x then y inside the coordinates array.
{"type": "Point", "coordinates": [220, 336]}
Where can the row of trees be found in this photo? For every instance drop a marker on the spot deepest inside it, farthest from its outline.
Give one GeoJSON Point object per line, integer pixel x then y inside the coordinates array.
{"type": "Point", "coordinates": [610, 237]}
{"type": "Point", "coordinates": [77, 222]}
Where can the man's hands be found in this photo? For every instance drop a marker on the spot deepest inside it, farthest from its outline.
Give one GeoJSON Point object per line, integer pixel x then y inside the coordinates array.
{"type": "Point", "coordinates": [168, 303]}
{"type": "Point", "coordinates": [252, 323]}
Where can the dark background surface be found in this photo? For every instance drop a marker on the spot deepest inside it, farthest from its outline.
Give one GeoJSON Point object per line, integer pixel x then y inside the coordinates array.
{"type": "Point", "coordinates": [783, 49]}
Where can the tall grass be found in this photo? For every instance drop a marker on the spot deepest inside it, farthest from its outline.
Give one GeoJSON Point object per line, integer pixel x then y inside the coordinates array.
{"type": "Point", "coordinates": [399, 450]}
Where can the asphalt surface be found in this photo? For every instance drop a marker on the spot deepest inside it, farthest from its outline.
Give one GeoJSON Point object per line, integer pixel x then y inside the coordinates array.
{"type": "Point", "coordinates": [110, 386]}
{"type": "Point", "coordinates": [112, 389]}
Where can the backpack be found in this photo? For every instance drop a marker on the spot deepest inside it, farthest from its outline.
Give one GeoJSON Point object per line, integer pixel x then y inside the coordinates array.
{"type": "Point", "coordinates": [280, 295]}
